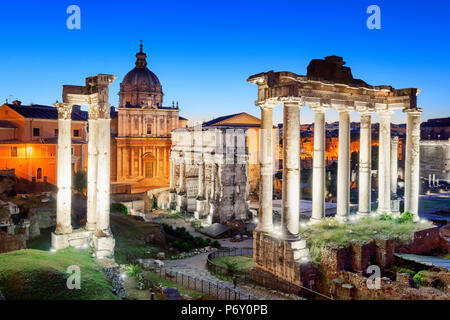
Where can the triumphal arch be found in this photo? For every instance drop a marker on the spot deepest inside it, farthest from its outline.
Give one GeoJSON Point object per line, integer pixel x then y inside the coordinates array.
{"type": "Point", "coordinates": [328, 84]}
{"type": "Point", "coordinates": [96, 233]}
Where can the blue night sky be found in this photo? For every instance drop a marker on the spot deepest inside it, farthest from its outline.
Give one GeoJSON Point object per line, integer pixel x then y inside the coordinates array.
{"type": "Point", "coordinates": [203, 51]}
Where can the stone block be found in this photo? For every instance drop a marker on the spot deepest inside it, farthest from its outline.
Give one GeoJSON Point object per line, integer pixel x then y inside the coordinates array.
{"type": "Point", "coordinates": [104, 246]}
{"type": "Point", "coordinates": [362, 256]}
{"type": "Point", "coordinates": [384, 252]}
{"type": "Point", "coordinates": [336, 258]}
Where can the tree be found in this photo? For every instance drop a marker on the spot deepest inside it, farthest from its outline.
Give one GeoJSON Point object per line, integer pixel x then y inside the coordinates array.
{"type": "Point", "coordinates": [79, 181]}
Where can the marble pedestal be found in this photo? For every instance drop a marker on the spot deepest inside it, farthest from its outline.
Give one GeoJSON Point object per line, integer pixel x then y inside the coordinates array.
{"type": "Point", "coordinates": [200, 208]}
{"type": "Point", "coordinates": [181, 202]}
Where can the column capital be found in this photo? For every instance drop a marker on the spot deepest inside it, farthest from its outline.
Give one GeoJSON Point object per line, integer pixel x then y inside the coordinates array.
{"type": "Point", "coordinates": [322, 108]}
{"type": "Point", "coordinates": [268, 103]}
{"type": "Point", "coordinates": [64, 110]}
{"type": "Point", "coordinates": [343, 109]}
{"type": "Point", "coordinates": [413, 111]}
{"type": "Point", "coordinates": [93, 111]}
{"type": "Point", "coordinates": [300, 101]}
{"type": "Point", "coordinates": [385, 113]}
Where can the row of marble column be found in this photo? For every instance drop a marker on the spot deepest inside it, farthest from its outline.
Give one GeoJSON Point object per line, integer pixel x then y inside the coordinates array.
{"type": "Point", "coordinates": [98, 175]}
{"type": "Point", "coordinates": [291, 164]}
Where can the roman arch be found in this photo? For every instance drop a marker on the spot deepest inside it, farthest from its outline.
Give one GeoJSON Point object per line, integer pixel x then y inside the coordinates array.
{"type": "Point", "coordinates": [97, 231]}
{"type": "Point", "coordinates": [328, 84]}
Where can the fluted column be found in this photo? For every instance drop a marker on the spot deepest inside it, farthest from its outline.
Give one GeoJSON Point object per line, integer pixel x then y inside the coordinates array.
{"type": "Point", "coordinates": [64, 169]}
{"type": "Point", "coordinates": [266, 166]}
{"type": "Point", "coordinates": [384, 172]}
{"type": "Point", "coordinates": [365, 164]}
{"type": "Point", "coordinates": [172, 174]}
{"type": "Point", "coordinates": [412, 161]}
{"type": "Point", "coordinates": [201, 181]}
{"type": "Point", "coordinates": [318, 183]}
{"type": "Point", "coordinates": [290, 217]}
{"type": "Point", "coordinates": [343, 174]}
{"type": "Point", "coordinates": [394, 165]}
{"type": "Point", "coordinates": [103, 170]}
{"type": "Point", "coordinates": [92, 169]}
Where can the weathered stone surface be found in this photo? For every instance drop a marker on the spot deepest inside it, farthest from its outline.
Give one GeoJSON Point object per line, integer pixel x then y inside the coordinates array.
{"type": "Point", "coordinates": [384, 251]}
{"type": "Point", "coordinates": [405, 279]}
{"type": "Point", "coordinates": [150, 264]}
{"type": "Point", "coordinates": [9, 242]}
{"type": "Point", "coordinates": [362, 256]}
{"type": "Point", "coordinates": [426, 242]}
{"type": "Point", "coordinates": [34, 229]}
{"type": "Point", "coordinates": [336, 258]}
{"type": "Point", "coordinates": [47, 218]}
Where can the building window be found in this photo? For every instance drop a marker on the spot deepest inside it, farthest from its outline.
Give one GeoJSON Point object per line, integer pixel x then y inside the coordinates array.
{"type": "Point", "coordinates": [39, 173]}
{"type": "Point", "coordinates": [36, 132]}
{"type": "Point", "coordinates": [76, 133]}
{"type": "Point", "coordinates": [149, 129]}
{"type": "Point", "coordinates": [13, 152]}
{"type": "Point", "coordinates": [56, 132]}
{"type": "Point", "coordinates": [72, 150]}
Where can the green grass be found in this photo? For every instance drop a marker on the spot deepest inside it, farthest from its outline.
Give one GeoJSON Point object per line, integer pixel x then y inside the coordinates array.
{"type": "Point", "coordinates": [170, 284]}
{"type": "Point", "coordinates": [243, 263]}
{"type": "Point", "coordinates": [364, 230]}
{"type": "Point", "coordinates": [41, 275]}
{"type": "Point", "coordinates": [130, 240]}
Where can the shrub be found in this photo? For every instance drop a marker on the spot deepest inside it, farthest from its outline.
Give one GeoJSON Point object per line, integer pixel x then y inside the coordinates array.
{"type": "Point", "coordinates": [419, 278]}
{"type": "Point", "coordinates": [408, 271]}
{"type": "Point", "coordinates": [119, 207]}
{"type": "Point", "coordinates": [385, 217]}
{"type": "Point", "coordinates": [216, 244]}
{"type": "Point", "coordinates": [133, 270]}
{"type": "Point", "coordinates": [405, 217]}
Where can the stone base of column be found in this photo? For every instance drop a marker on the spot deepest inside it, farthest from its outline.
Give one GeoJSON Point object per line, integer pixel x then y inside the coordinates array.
{"type": "Point", "coordinates": [104, 247]}
{"type": "Point", "coordinates": [200, 206]}
{"type": "Point", "coordinates": [172, 199]}
{"type": "Point", "coordinates": [395, 206]}
{"type": "Point", "coordinates": [314, 220]}
{"type": "Point", "coordinates": [181, 202]}
{"type": "Point", "coordinates": [341, 219]}
{"type": "Point", "coordinates": [363, 214]}
{"type": "Point", "coordinates": [282, 259]}
{"type": "Point", "coordinates": [78, 239]}
{"type": "Point", "coordinates": [91, 226]}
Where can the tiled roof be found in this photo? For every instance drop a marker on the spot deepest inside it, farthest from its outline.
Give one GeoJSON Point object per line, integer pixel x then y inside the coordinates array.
{"type": "Point", "coordinates": [44, 112]}
{"type": "Point", "coordinates": [219, 119]}
{"type": "Point", "coordinates": [181, 118]}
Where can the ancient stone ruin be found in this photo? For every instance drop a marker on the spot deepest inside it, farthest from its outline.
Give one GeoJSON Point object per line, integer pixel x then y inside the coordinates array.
{"type": "Point", "coordinates": [97, 230]}
{"type": "Point", "coordinates": [328, 84]}
{"type": "Point", "coordinates": [209, 173]}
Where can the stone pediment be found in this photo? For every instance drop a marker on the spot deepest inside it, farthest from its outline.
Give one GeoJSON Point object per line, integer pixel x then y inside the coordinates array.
{"type": "Point", "coordinates": [242, 119]}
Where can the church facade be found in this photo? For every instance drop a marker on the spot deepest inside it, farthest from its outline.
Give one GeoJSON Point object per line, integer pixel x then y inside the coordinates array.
{"type": "Point", "coordinates": [143, 128]}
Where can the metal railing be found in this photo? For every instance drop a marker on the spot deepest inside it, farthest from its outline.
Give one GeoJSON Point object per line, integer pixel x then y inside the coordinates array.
{"type": "Point", "coordinates": [211, 289]}
{"type": "Point", "coordinates": [242, 276]}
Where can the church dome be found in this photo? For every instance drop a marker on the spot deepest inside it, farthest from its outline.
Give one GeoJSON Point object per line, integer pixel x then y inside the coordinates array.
{"type": "Point", "coordinates": [139, 76]}
{"type": "Point", "coordinates": [140, 87]}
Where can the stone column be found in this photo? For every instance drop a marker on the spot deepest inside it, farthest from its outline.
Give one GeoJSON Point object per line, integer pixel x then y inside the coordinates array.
{"type": "Point", "coordinates": [92, 168]}
{"type": "Point", "coordinates": [265, 223]}
{"type": "Point", "coordinates": [64, 169]}
{"type": "Point", "coordinates": [365, 164]}
{"type": "Point", "coordinates": [119, 163]}
{"type": "Point", "coordinates": [103, 170]}
{"type": "Point", "coordinates": [199, 209]}
{"type": "Point", "coordinates": [394, 165]}
{"type": "Point", "coordinates": [318, 184]}
{"type": "Point", "coordinates": [343, 174]}
{"type": "Point", "coordinates": [384, 154]}
{"type": "Point", "coordinates": [412, 161]}
{"type": "Point", "coordinates": [290, 218]}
